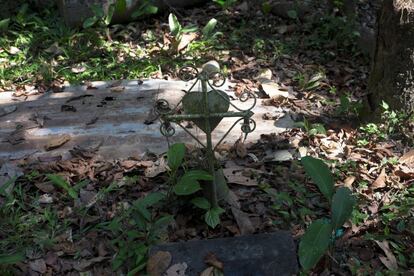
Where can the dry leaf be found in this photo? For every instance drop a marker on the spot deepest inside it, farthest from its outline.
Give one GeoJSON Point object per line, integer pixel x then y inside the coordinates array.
{"type": "Point", "coordinates": [79, 68]}
{"type": "Point", "coordinates": [407, 158]}
{"type": "Point", "coordinates": [45, 187]}
{"type": "Point", "coordinates": [156, 168]}
{"type": "Point", "coordinates": [389, 261]}
{"type": "Point", "coordinates": [38, 265]}
{"type": "Point", "coordinates": [45, 199]}
{"type": "Point", "coordinates": [177, 270]}
{"type": "Point", "coordinates": [380, 181]}
{"type": "Point", "coordinates": [185, 40]}
{"type": "Point", "coordinates": [238, 176]}
{"type": "Point", "coordinates": [158, 263]}
{"type": "Point", "coordinates": [243, 221]}
{"type": "Point", "coordinates": [14, 50]}
{"type": "Point", "coordinates": [57, 142]}
{"type": "Point", "coordinates": [117, 89]}
{"type": "Point", "coordinates": [240, 148]}
{"type": "Point", "coordinates": [264, 75]}
{"type": "Point", "coordinates": [349, 181]}
{"type": "Point", "coordinates": [212, 260]}
{"type": "Point", "coordinates": [273, 90]}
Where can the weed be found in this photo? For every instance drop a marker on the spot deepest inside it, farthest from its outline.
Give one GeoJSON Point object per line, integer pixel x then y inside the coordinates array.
{"type": "Point", "coordinates": [136, 229]}
{"type": "Point", "coordinates": [332, 32]}
{"type": "Point", "coordinates": [311, 129]}
{"type": "Point", "coordinates": [188, 184]}
{"type": "Point", "coordinates": [319, 235]}
{"type": "Point", "coordinates": [225, 4]}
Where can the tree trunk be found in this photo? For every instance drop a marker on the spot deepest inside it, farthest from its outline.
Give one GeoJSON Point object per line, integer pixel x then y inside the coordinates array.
{"type": "Point", "coordinates": [392, 73]}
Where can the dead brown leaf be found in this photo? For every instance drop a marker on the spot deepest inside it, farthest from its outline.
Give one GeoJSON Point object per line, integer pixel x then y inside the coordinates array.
{"type": "Point", "coordinates": [38, 265]}
{"type": "Point", "coordinates": [243, 221]}
{"type": "Point", "coordinates": [117, 89]}
{"type": "Point", "coordinates": [158, 263]}
{"type": "Point", "coordinates": [407, 158]}
{"type": "Point", "coordinates": [212, 260]}
{"type": "Point", "coordinates": [389, 261]}
{"type": "Point", "coordinates": [349, 181]}
{"type": "Point", "coordinates": [380, 181]}
{"type": "Point", "coordinates": [45, 187]}
{"type": "Point", "coordinates": [177, 270]}
{"type": "Point", "coordinates": [240, 176]}
{"type": "Point", "coordinates": [57, 142]}
{"type": "Point", "coordinates": [185, 41]}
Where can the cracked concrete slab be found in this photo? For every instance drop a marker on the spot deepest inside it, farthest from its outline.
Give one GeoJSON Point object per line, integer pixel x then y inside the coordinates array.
{"type": "Point", "coordinates": [113, 119]}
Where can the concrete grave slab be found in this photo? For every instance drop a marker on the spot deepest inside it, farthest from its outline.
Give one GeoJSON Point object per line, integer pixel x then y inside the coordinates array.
{"type": "Point", "coordinates": [270, 254]}
{"type": "Point", "coordinates": [111, 119]}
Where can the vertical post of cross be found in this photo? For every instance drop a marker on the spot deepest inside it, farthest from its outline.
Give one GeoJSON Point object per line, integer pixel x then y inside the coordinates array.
{"type": "Point", "coordinates": [209, 146]}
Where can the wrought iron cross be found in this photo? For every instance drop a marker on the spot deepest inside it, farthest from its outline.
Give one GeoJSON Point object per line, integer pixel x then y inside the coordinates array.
{"type": "Point", "coordinates": [205, 109]}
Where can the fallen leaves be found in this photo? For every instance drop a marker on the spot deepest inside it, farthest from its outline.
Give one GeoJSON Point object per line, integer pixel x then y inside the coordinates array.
{"type": "Point", "coordinates": [389, 259]}
{"type": "Point", "coordinates": [380, 182]}
{"type": "Point", "coordinates": [158, 263]}
{"type": "Point", "coordinates": [57, 142]}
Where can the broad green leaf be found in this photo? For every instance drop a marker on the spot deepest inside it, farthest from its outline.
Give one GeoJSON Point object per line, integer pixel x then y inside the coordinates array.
{"type": "Point", "coordinates": [89, 22]}
{"type": "Point", "coordinates": [342, 205]}
{"type": "Point", "coordinates": [187, 186]}
{"type": "Point", "coordinates": [175, 156]}
{"type": "Point", "coordinates": [151, 199]}
{"type": "Point", "coordinates": [4, 24]}
{"type": "Point", "coordinates": [145, 9]}
{"type": "Point", "coordinates": [11, 259]}
{"type": "Point", "coordinates": [175, 26]}
{"type": "Point", "coordinates": [189, 29]}
{"type": "Point", "coordinates": [201, 202]}
{"type": "Point", "coordinates": [120, 6]}
{"type": "Point", "coordinates": [108, 17]}
{"type": "Point", "coordinates": [292, 14]}
{"type": "Point", "coordinates": [59, 181]}
{"type": "Point", "coordinates": [209, 28]}
{"type": "Point", "coordinates": [5, 186]}
{"type": "Point", "coordinates": [143, 212]}
{"type": "Point", "coordinates": [320, 175]}
{"type": "Point", "coordinates": [161, 223]}
{"type": "Point", "coordinates": [150, 9]}
{"type": "Point", "coordinates": [198, 175]}
{"type": "Point", "coordinates": [212, 216]}
{"type": "Point", "coordinates": [266, 7]}
{"type": "Point", "coordinates": [314, 243]}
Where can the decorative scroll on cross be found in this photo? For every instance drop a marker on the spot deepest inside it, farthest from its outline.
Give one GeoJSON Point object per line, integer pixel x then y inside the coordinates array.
{"type": "Point", "coordinates": [206, 109]}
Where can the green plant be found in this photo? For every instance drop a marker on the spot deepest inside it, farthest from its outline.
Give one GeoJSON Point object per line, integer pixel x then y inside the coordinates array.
{"type": "Point", "coordinates": [101, 16]}
{"type": "Point", "coordinates": [59, 181]}
{"type": "Point", "coordinates": [225, 4]}
{"type": "Point", "coordinates": [145, 8]}
{"type": "Point", "coordinates": [188, 184]}
{"type": "Point", "coordinates": [321, 233]}
{"type": "Point", "coordinates": [307, 82]}
{"type": "Point", "coordinates": [349, 107]}
{"type": "Point", "coordinates": [332, 32]}
{"type": "Point", "coordinates": [311, 129]}
{"type": "Point", "coordinates": [177, 32]}
{"type": "Point", "coordinates": [137, 229]}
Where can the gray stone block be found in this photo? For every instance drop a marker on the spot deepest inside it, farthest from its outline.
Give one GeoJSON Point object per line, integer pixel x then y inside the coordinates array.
{"type": "Point", "coordinates": [271, 254]}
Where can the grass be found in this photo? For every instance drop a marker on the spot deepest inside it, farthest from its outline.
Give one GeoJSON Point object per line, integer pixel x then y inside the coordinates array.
{"type": "Point", "coordinates": [39, 48]}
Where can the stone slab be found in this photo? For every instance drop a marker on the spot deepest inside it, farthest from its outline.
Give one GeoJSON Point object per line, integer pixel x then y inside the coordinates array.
{"type": "Point", "coordinates": [115, 120]}
{"type": "Point", "coordinates": [270, 254]}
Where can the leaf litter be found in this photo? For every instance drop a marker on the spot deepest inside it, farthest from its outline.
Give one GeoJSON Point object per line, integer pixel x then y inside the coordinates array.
{"type": "Point", "coordinates": [266, 193]}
